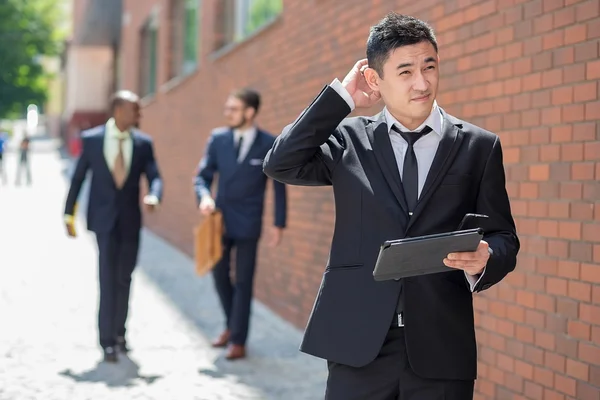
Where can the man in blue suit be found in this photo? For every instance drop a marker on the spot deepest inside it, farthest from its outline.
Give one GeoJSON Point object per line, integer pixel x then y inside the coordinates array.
{"type": "Point", "coordinates": [236, 154]}
{"type": "Point", "coordinates": [117, 154]}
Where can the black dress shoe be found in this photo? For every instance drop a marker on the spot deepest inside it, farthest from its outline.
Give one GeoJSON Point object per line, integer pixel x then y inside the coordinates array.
{"type": "Point", "coordinates": [110, 354]}
{"type": "Point", "coordinates": [122, 345]}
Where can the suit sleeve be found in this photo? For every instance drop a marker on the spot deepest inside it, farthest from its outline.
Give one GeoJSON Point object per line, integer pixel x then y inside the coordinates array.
{"type": "Point", "coordinates": [307, 151]}
{"type": "Point", "coordinates": [206, 170]}
{"type": "Point", "coordinates": [280, 193]}
{"type": "Point", "coordinates": [81, 167]}
{"type": "Point", "coordinates": [153, 174]}
{"type": "Point", "coordinates": [500, 232]}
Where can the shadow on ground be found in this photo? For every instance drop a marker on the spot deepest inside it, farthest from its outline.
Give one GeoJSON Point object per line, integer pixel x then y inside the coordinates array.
{"type": "Point", "coordinates": [274, 366]}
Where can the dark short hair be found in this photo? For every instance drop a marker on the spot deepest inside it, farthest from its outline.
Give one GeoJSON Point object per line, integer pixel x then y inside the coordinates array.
{"type": "Point", "coordinates": [393, 31]}
{"type": "Point", "coordinates": [249, 97]}
{"type": "Point", "coordinates": [121, 97]}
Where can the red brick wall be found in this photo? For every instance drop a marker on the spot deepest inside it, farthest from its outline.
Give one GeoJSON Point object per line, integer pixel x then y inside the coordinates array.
{"type": "Point", "coordinates": [527, 70]}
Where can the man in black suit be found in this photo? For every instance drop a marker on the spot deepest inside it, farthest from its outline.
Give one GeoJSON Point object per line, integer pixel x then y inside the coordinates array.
{"type": "Point", "coordinates": [236, 154]}
{"type": "Point", "coordinates": [118, 155]}
{"type": "Point", "coordinates": [412, 339]}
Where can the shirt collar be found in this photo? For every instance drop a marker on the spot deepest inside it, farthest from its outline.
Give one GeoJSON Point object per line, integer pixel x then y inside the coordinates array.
{"type": "Point", "coordinates": [114, 131]}
{"type": "Point", "coordinates": [248, 134]}
{"type": "Point", "coordinates": [434, 121]}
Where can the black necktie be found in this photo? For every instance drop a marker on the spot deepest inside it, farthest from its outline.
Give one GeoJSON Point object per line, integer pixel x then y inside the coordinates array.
{"type": "Point", "coordinates": [238, 147]}
{"type": "Point", "coordinates": [410, 173]}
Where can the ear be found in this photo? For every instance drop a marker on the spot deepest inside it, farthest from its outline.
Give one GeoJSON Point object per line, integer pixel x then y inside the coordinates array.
{"type": "Point", "coordinates": [249, 113]}
{"type": "Point", "coordinates": [372, 78]}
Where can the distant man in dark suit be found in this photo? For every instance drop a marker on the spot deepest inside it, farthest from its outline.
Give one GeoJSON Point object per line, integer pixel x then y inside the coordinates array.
{"type": "Point", "coordinates": [117, 154]}
{"type": "Point", "coordinates": [236, 154]}
{"type": "Point", "coordinates": [411, 170]}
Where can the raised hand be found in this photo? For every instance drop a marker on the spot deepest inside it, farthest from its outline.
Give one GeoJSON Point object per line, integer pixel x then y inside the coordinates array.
{"type": "Point", "coordinates": [356, 84]}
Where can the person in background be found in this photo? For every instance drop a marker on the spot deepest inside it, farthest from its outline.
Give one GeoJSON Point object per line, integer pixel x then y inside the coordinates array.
{"type": "Point", "coordinates": [3, 145]}
{"type": "Point", "coordinates": [235, 153]}
{"type": "Point", "coordinates": [118, 154]}
{"type": "Point", "coordinates": [23, 163]}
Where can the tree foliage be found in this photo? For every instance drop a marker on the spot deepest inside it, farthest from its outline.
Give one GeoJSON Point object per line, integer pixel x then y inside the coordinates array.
{"type": "Point", "coordinates": [29, 29]}
{"type": "Point", "coordinates": [262, 12]}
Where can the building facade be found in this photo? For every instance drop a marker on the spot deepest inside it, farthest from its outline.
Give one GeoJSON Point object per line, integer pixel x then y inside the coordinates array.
{"type": "Point", "coordinates": [525, 69]}
{"type": "Point", "coordinates": [88, 66]}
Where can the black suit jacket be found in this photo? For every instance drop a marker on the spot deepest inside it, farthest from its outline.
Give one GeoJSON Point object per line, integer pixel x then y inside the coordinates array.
{"type": "Point", "coordinates": [241, 186]}
{"type": "Point", "coordinates": [353, 313]}
{"type": "Point", "coordinates": [106, 202]}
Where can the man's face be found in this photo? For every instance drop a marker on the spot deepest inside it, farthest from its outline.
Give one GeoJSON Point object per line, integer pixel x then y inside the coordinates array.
{"type": "Point", "coordinates": [409, 83]}
{"type": "Point", "coordinates": [128, 114]}
{"type": "Point", "coordinates": [236, 113]}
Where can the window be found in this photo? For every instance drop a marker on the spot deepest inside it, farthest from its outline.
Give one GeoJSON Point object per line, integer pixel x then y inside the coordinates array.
{"type": "Point", "coordinates": [148, 56]}
{"type": "Point", "coordinates": [253, 14]}
{"type": "Point", "coordinates": [184, 18]}
{"type": "Point", "coordinates": [243, 17]}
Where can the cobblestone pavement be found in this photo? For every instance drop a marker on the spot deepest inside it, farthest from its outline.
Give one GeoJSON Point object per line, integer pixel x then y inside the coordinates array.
{"type": "Point", "coordinates": [48, 300]}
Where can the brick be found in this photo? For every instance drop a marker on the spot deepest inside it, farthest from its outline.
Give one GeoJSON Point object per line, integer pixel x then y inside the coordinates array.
{"type": "Point", "coordinates": [584, 131]}
{"type": "Point", "coordinates": [580, 251]}
{"type": "Point", "coordinates": [571, 190]}
{"type": "Point", "coordinates": [579, 330]}
{"type": "Point", "coordinates": [564, 17]}
{"type": "Point", "coordinates": [572, 152]}
{"type": "Point", "coordinates": [568, 269]}
{"type": "Point", "coordinates": [564, 56]}
{"type": "Point", "coordinates": [589, 353]}
{"type": "Point", "coordinates": [553, 40]}
{"type": "Point", "coordinates": [556, 286]}
{"type": "Point", "coordinates": [544, 376]}
{"type": "Point", "coordinates": [565, 385]}
{"type": "Point", "coordinates": [556, 363]}
{"type": "Point", "coordinates": [589, 314]}
{"type": "Point", "coordinates": [585, 92]}
{"type": "Point", "coordinates": [593, 70]}
{"type": "Point", "coordinates": [590, 273]}
{"type": "Point", "coordinates": [587, 10]}
{"type": "Point", "coordinates": [586, 51]}
{"type": "Point", "coordinates": [558, 210]}
{"type": "Point", "coordinates": [550, 153]}
{"type": "Point", "coordinates": [578, 370]}
{"type": "Point", "coordinates": [562, 95]}
{"type": "Point", "coordinates": [582, 211]}
{"type": "Point", "coordinates": [592, 111]}
{"type": "Point", "coordinates": [551, 78]}
{"type": "Point", "coordinates": [593, 29]}
{"type": "Point", "coordinates": [573, 113]}
{"type": "Point", "coordinates": [575, 34]}
{"type": "Point", "coordinates": [580, 291]}
{"type": "Point", "coordinates": [539, 172]}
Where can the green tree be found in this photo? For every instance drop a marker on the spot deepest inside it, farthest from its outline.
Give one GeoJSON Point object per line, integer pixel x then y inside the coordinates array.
{"type": "Point", "coordinates": [28, 30]}
{"type": "Point", "coordinates": [262, 12]}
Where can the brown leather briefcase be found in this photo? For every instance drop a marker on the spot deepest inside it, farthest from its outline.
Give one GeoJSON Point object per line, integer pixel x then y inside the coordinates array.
{"type": "Point", "coordinates": [208, 242]}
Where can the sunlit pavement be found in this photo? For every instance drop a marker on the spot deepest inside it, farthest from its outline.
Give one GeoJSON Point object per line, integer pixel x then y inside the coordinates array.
{"type": "Point", "coordinates": [48, 300]}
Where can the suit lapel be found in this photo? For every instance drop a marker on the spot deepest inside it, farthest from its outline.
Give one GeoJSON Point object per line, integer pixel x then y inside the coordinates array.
{"type": "Point", "coordinates": [135, 151]}
{"type": "Point", "coordinates": [251, 151]}
{"type": "Point", "coordinates": [452, 137]}
{"type": "Point", "coordinates": [103, 161]}
{"type": "Point", "coordinates": [384, 154]}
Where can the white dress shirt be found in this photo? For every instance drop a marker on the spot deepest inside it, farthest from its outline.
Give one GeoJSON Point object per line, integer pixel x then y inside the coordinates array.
{"type": "Point", "coordinates": [111, 145]}
{"type": "Point", "coordinates": [425, 148]}
{"type": "Point", "coordinates": [249, 136]}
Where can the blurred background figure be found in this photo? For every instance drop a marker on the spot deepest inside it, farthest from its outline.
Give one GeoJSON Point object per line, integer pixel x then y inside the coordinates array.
{"type": "Point", "coordinates": [235, 153]}
{"type": "Point", "coordinates": [23, 165]}
{"type": "Point", "coordinates": [118, 155]}
{"type": "Point", "coordinates": [3, 144]}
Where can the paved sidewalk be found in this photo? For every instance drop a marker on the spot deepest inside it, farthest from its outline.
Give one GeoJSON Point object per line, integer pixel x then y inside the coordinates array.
{"type": "Point", "coordinates": [48, 300]}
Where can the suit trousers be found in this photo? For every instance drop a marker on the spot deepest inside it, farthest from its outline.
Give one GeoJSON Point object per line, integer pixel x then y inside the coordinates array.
{"type": "Point", "coordinates": [118, 252]}
{"type": "Point", "coordinates": [390, 377]}
{"type": "Point", "coordinates": [236, 297]}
